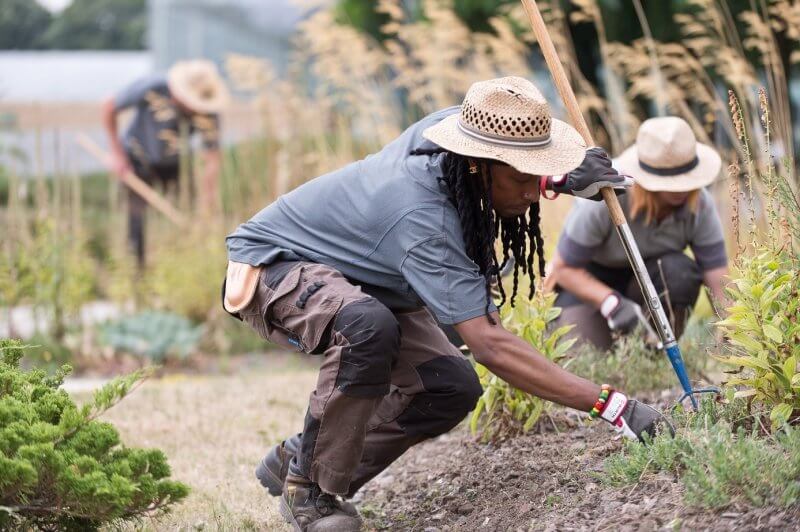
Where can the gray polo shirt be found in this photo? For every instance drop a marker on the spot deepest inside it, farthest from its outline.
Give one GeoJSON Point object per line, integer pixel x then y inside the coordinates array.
{"type": "Point", "coordinates": [153, 134]}
{"type": "Point", "coordinates": [589, 235]}
{"type": "Point", "coordinates": [385, 222]}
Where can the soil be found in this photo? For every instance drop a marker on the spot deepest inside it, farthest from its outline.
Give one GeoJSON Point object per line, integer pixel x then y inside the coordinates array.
{"type": "Point", "coordinates": [548, 481]}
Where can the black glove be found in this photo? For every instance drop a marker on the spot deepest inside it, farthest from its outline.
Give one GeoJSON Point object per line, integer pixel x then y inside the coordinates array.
{"type": "Point", "coordinates": [621, 313]}
{"type": "Point", "coordinates": [634, 419]}
{"type": "Point", "coordinates": [594, 173]}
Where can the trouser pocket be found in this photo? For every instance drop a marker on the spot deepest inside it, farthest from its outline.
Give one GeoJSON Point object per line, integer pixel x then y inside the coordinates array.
{"type": "Point", "coordinates": [297, 310]}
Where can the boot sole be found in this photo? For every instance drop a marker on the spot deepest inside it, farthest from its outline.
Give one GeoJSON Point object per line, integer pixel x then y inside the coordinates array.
{"type": "Point", "coordinates": [269, 479]}
{"type": "Point", "coordinates": [286, 513]}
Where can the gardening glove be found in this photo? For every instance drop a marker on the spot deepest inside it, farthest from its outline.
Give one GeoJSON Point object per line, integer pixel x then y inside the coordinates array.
{"type": "Point", "coordinates": [621, 313]}
{"type": "Point", "coordinates": [633, 419]}
{"type": "Point", "coordinates": [594, 173]}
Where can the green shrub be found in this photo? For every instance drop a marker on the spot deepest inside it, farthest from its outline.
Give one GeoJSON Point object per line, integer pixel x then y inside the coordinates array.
{"type": "Point", "coordinates": [153, 335]}
{"type": "Point", "coordinates": [61, 468]}
{"type": "Point", "coordinates": [762, 326]}
{"type": "Point", "coordinates": [764, 334]}
{"type": "Point", "coordinates": [504, 411]}
{"type": "Point", "coordinates": [185, 275]}
{"type": "Point", "coordinates": [718, 463]}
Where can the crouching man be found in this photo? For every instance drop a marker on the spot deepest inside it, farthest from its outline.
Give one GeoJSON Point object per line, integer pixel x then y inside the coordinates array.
{"type": "Point", "coordinates": [357, 265]}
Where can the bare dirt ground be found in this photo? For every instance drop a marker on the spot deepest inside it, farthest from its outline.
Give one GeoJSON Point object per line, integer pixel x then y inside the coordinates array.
{"type": "Point", "coordinates": [214, 429]}
{"type": "Point", "coordinates": [544, 482]}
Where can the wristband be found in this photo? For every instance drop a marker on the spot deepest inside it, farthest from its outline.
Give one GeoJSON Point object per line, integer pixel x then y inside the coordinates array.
{"type": "Point", "coordinates": [543, 181]}
{"type": "Point", "coordinates": [599, 406]}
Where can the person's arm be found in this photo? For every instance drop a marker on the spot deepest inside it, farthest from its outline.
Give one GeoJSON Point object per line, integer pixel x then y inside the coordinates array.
{"type": "Point", "coordinates": [119, 159]}
{"type": "Point", "coordinates": [714, 279]}
{"type": "Point", "coordinates": [579, 282]}
{"type": "Point", "coordinates": [522, 366]}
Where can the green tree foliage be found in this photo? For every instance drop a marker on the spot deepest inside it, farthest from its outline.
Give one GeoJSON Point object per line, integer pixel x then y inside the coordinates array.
{"type": "Point", "coordinates": [61, 468]}
{"type": "Point", "coordinates": [22, 23]}
{"type": "Point", "coordinates": [99, 25]}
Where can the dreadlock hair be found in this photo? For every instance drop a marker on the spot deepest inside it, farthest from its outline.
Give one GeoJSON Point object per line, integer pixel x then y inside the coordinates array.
{"type": "Point", "coordinates": [470, 189]}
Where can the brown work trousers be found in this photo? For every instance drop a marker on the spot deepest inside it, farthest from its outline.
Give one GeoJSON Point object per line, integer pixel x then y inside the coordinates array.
{"type": "Point", "coordinates": [387, 380]}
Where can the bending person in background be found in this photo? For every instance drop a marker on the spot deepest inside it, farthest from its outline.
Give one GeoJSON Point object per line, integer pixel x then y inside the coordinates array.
{"type": "Point", "coordinates": [667, 210]}
{"type": "Point", "coordinates": [188, 99]}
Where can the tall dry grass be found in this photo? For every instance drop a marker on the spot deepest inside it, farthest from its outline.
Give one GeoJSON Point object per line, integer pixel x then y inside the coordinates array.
{"type": "Point", "coordinates": [346, 95]}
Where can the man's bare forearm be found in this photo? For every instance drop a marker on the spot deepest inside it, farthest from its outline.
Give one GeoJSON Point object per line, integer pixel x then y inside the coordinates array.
{"type": "Point", "coordinates": [518, 363]}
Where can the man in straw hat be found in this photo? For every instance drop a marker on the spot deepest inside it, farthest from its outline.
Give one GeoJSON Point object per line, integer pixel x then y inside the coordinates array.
{"type": "Point", "coordinates": [357, 265]}
{"type": "Point", "coordinates": [668, 210]}
{"type": "Point", "coordinates": [189, 98]}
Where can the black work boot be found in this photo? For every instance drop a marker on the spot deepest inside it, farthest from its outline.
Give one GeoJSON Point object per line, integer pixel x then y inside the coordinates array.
{"type": "Point", "coordinates": [308, 509]}
{"type": "Point", "coordinates": [272, 470]}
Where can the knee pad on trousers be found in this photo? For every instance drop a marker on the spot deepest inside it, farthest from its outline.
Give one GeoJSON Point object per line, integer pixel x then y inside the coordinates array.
{"type": "Point", "coordinates": [683, 278]}
{"type": "Point", "coordinates": [373, 342]}
{"type": "Point", "coordinates": [452, 389]}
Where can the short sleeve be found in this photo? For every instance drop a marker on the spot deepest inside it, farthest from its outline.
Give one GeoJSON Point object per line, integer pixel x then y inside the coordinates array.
{"type": "Point", "coordinates": [587, 227]}
{"type": "Point", "coordinates": [707, 239]}
{"type": "Point", "coordinates": [135, 92]}
{"type": "Point", "coordinates": [446, 280]}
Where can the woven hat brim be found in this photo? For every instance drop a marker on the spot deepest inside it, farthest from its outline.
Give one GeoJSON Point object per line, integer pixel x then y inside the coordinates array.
{"type": "Point", "coordinates": [706, 171]}
{"type": "Point", "coordinates": [182, 90]}
{"type": "Point", "coordinates": [564, 153]}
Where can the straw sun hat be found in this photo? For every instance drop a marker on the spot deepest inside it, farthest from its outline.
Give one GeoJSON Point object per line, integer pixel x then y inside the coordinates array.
{"type": "Point", "coordinates": [198, 86]}
{"type": "Point", "coordinates": [508, 120]}
{"type": "Point", "coordinates": [667, 157]}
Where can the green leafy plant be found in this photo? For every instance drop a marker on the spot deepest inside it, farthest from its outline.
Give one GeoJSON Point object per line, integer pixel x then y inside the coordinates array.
{"type": "Point", "coordinates": [762, 326]}
{"type": "Point", "coordinates": [764, 334]}
{"type": "Point", "coordinates": [152, 334]}
{"type": "Point", "coordinates": [504, 411]}
{"type": "Point", "coordinates": [719, 461]}
{"type": "Point", "coordinates": [63, 469]}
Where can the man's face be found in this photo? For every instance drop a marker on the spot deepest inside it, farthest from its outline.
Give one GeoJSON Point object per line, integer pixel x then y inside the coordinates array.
{"type": "Point", "coordinates": [672, 199]}
{"type": "Point", "coordinates": [512, 191]}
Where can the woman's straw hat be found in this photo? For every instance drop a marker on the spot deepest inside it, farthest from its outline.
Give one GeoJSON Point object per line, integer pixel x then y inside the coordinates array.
{"type": "Point", "coordinates": [667, 157]}
{"type": "Point", "coordinates": [198, 86]}
{"type": "Point", "coordinates": [508, 120]}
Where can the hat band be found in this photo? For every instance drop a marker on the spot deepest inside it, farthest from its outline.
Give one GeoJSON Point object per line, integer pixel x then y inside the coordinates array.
{"type": "Point", "coordinates": [667, 172]}
{"type": "Point", "coordinates": [516, 143]}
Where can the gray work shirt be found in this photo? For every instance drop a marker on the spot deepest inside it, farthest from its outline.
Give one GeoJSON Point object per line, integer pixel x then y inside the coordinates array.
{"type": "Point", "coordinates": [153, 135]}
{"type": "Point", "coordinates": [385, 221]}
{"type": "Point", "coordinates": [589, 235]}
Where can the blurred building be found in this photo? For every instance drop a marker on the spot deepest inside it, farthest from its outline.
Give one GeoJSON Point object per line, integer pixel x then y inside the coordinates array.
{"type": "Point", "coordinates": [182, 29]}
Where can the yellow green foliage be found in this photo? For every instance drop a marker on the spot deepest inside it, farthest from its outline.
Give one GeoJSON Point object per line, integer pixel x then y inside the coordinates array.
{"type": "Point", "coordinates": [764, 334]}
{"type": "Point", "coordinates": [503, 411]}
{"type": "Point", "coordinates": [61, 468]}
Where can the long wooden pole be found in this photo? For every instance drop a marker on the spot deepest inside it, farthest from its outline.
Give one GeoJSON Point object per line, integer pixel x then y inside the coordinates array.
{"type": "Point", "coordinates": [156, 200]}
{"type": "Point", "coordinates": [568, 96]}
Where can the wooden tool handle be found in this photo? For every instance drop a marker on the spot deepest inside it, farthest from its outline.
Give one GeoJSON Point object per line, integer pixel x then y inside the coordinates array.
{"type": "Point", "coordinates": [568, 96]}
{"type": "Point", "coordinates": [145, 191]}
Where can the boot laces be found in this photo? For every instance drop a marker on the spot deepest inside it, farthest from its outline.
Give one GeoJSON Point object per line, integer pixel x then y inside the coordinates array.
{"type": "Point", "coordinates": [325, 503]}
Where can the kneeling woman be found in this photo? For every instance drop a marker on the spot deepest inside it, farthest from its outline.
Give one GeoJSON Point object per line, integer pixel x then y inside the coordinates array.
{"type": "Point", "coordinates": [667, 210]}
